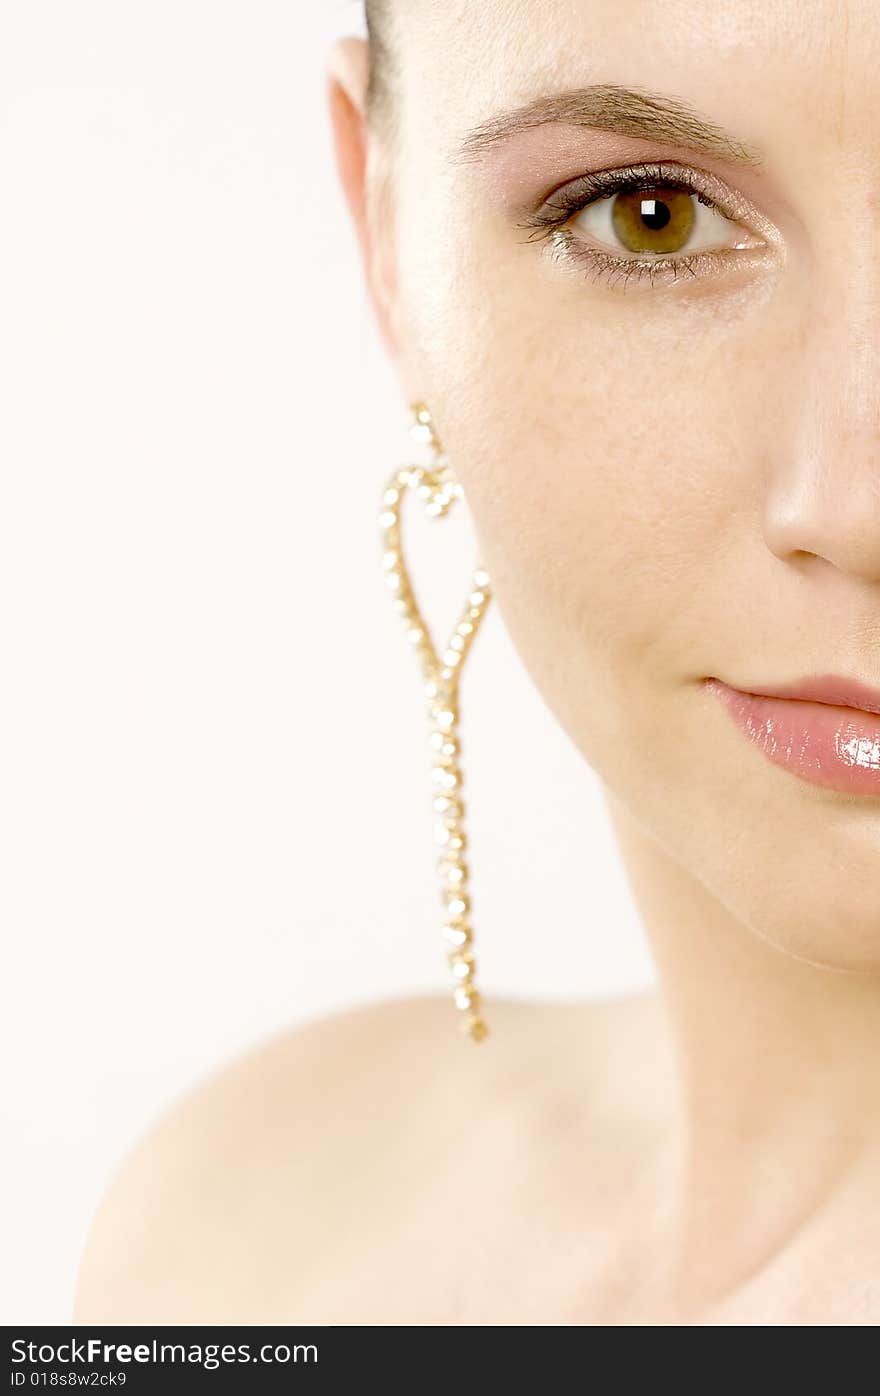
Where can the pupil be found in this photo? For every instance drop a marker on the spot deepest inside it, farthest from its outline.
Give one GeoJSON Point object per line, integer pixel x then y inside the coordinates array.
{"type": "Point", "coordinates": [655, 213]}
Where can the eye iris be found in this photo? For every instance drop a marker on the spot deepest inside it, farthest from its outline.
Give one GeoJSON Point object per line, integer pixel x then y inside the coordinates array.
{"type": "Point", "coordinates": [646, 222]}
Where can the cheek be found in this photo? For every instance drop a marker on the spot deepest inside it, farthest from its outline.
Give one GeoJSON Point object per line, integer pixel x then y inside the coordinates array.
{"type": "Point", "coordinates": [600, 509]}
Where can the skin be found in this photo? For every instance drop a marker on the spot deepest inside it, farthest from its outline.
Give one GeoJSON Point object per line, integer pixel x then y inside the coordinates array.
{"type": "Point", "coordinates": [646, 466]}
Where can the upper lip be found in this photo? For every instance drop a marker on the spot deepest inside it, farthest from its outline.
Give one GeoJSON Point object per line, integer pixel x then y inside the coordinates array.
{"type": "Point", "coordinates": [824, 688]}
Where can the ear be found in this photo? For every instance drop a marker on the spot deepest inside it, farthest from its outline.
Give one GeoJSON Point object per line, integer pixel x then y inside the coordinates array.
{"type": "Point", "coordinates": [362, 172]}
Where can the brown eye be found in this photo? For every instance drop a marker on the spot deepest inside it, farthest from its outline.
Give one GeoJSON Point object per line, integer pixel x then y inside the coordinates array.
{"type": "Point", "coordinates": [654, 220]}
{"type": "Point", "coordinates": [658, 220]}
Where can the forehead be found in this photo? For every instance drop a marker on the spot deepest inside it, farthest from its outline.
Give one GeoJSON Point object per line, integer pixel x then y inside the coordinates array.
{"type": "Point", "coordinates": [762, 70]}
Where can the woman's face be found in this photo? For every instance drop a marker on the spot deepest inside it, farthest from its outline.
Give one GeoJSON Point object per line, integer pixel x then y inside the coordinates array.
{"type": "Point", "coordinates": [672, 476]}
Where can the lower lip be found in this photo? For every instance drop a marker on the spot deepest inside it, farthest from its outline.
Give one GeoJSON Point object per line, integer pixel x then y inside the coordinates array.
{"type": "Point", "coordinates": [831, 746]}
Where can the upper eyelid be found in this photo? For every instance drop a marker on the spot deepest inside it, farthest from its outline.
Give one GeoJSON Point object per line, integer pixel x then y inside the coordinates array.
{"type": "Point", "coordinates": [733, 205]}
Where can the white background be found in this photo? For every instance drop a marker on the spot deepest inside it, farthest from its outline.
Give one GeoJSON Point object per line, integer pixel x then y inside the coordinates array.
{"type": "Point", "coordinates": [214, 790]}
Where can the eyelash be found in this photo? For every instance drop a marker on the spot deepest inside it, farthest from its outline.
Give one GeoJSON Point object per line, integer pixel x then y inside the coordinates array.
{"type": "Point", "coordinates": [548, 222]}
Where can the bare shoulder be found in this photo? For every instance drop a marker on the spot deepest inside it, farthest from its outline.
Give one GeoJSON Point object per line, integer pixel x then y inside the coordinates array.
{"type": "Point", "coordinates": [266, 1149]}
{"type": "Point", "coordinates": [254, 1179]}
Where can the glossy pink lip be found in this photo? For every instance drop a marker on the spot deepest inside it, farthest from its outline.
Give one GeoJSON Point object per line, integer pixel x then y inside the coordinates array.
{"type": "Point", "coordinates": [824, 729]}
{"type": "Point", "coordinates": [826, 688]}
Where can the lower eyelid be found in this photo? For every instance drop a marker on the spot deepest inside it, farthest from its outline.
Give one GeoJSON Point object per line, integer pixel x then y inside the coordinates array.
{"type": "Point", "coordinates": [567, 248]}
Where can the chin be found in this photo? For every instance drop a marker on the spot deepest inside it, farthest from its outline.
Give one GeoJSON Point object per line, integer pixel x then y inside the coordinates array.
{"type": "Point", "coordinates": [828, 934]}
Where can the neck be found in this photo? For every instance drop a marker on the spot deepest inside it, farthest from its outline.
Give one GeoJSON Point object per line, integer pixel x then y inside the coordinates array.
{"type": "Point", "coordinates": [775, 1071]}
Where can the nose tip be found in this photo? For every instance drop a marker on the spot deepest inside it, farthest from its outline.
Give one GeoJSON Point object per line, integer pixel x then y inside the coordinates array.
{"type": "Point", "coordinates": [823, 491]}
{"type": "Point", "coordinates": [830, 510]}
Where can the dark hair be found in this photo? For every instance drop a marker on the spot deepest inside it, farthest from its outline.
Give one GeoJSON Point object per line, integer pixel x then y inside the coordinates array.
{"type": "Point", "coordinates": [379, 86]}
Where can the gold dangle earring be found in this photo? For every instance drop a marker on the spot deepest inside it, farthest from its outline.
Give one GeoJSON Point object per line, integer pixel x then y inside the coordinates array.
{"type": "Point", "coordinates": [437, 486]}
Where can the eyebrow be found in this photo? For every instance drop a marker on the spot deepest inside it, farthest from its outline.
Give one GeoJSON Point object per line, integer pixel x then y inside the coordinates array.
{"type": "Point", "coordinates": [629, 111]}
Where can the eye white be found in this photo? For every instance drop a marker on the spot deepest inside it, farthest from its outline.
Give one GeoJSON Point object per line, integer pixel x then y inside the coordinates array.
{"type": "Point", "coordinates": [711, 228]}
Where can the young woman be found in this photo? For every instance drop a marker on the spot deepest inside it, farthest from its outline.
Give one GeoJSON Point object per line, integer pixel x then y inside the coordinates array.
{"type": "Point", "coordinates": [628, 257]}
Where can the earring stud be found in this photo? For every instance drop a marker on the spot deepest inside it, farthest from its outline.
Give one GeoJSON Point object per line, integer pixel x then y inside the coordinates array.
{"type": "Point", "coordinates": [438, 488]}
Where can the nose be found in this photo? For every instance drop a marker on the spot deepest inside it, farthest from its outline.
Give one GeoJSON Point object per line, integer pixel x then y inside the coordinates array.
{"type": "Point", "coordinates": [823, 495]}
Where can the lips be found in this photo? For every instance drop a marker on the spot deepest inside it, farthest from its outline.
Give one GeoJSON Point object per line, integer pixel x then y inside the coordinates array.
{"type": "Point", "coordinates": [824, 729]}
{"type": "Point", "coordinates": [826, 688]}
